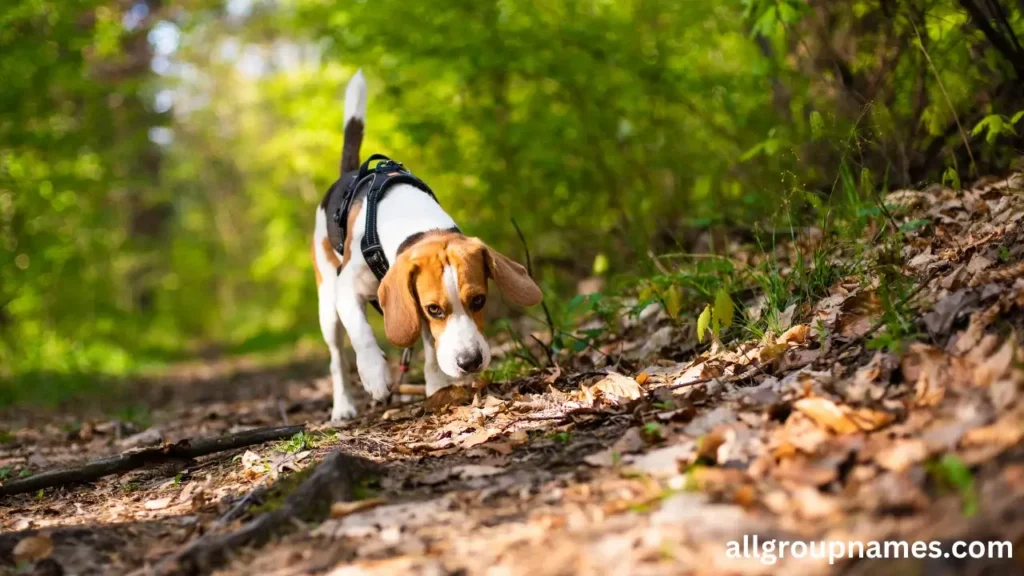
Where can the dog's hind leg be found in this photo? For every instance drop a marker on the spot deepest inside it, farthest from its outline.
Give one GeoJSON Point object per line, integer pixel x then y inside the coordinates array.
{"type": "Point", "coordinates": [334, 336]}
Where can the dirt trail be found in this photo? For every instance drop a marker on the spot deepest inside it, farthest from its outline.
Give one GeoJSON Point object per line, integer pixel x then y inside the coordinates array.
{"type": "Point", "coordinates": [648, 463]}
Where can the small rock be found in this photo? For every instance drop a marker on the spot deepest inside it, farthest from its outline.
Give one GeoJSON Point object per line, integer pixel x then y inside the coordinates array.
{"type": "Point", "coordinates": [38, 461]}
{"type": "Point", "coordinates": [148, 437]}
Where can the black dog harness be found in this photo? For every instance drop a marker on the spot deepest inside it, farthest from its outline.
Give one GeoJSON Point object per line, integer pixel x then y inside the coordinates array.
{"type": "Point", "coordinates": [376, 181]}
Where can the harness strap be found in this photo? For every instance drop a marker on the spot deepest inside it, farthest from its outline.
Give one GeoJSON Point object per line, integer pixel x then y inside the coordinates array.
{"type": "Point", "coordinates": [378, 180]}
{"type": "Point", "coordinates": [386, 174]}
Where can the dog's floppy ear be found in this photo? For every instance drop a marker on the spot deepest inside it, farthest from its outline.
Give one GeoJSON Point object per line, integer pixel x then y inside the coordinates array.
{"type": "Point", "coordinates": [511, 277]}
{"type": "Point", "coordinates": [398, 300]}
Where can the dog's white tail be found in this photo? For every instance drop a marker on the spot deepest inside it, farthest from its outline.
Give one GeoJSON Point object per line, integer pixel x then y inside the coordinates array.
{"type": "Point", "coordinates": [355, 121]}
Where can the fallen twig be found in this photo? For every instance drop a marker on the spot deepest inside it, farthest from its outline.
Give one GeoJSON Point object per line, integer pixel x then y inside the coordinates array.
{"type": "Point", "coordinates": [333, 480]}
{"type": "Point", "coordinates": [543, 304]}
{"type": "Point", "coordinates": [412, 389]}
{"type": "Point", "coordinates": [684, 384]}
{"type": "Point", "coordinates": [183, 450]}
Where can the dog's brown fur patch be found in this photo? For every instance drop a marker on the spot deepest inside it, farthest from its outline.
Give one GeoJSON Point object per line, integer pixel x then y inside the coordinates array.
{"type": "Point", "coordinates": [316, 269]}
{"type": "Point", "coordinates": [353, 213]}
{"type": "Point", "coordinates": [332, 256]}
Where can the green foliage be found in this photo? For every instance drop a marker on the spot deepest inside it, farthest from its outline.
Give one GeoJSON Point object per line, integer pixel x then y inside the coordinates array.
{"type": "Point", "coordinates": [507, 368]}
{"type": "Point", "coordinates": [714, 319]}
{"type": "Point", "coordinates": [952, 178]}
{"type": "Point", "coordinates": [895, 291]}
{"type": "Point", "coordinates": [562, 437]}
{"type": "Point", "coordinates": [305, 441]}
{"type": "Point", "coordinates": [996, 125]}
{"type": "Point", "coordinates": [703, 322]}
{"type": "Point", "coordinates": [950, 473]}
{"type": "Point", "coordinates": [653, 431]}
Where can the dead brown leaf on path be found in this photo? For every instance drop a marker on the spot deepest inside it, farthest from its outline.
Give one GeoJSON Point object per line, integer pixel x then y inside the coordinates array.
{"type": "Point", "coordinates": [989, 369]}
{"type": "Point", "coordinates": [842, 419]}
{"type": "Point", "coordinates": [858, 314]}
{"type": "Point", "coordinates": [931, 370]}
{"type": "Point", "coordinates": [901, 454]}
{"type": "Point", "coordinates": [868, 420]}
{"type": "Point", "coordinates": [479, 437]}
{"type": "Point", "coordinates": [158, 503]}
{"type": "Point", "coordinates": [616, 388]}
{"type": "Point", "coordinates": [795, 335]}
{"type": "Point", "coordinates": [1005, 433]}
{"type": "Point", "coordinates": [771, 352]}
{"type": "Point", "coordinates": [445, 398]}
{"type": "Point", "coordinates": [556, 373]}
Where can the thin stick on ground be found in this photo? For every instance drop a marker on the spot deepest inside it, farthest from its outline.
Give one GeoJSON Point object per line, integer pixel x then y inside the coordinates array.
{"type": "Point", "coordinates": [183, 450]}
{"type": "Point", "coordinates": [529, 270]}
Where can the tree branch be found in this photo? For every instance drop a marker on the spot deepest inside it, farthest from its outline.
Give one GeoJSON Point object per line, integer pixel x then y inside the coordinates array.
{"type": "Point", "coordinates": [994, 37]}
{"type": "Point", "coordinates": [183, 450]}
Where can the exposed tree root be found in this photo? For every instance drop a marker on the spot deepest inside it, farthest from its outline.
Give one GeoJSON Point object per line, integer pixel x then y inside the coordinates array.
{"type": "Point", "coordinates": [183, 450]}
{"type": "Point", "coordinates": [333, 480]}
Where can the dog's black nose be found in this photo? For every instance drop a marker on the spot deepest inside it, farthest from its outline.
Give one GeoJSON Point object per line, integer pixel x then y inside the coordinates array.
{"type": "Point", "coordinates": [470, 361]}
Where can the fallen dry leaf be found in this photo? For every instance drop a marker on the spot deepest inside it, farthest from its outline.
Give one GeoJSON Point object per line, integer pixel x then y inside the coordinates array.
{"type": "Point", "coordinates": [825, 413]}
{"type": "Point", "coordinates": [447, 397]}
{"type": "Point", "coordinates": [476, 438]}
{"type": "Point", "coordinates": [770, 352]}
{"type": "Point", "coordinates": [556, 372]}
{"type": "Point", "coordinates": [978, 263]}
{"type": "Point", "coordinates": [187, 492]}
{"type": "Point", "coordinates": [795, 335]}
{"type": "Point", "coordinates": [857, 314]}
{"type": "Point", "coordinates": [1004, 433]}
{"type": "Point", "coordinates": [995, 366]}
{"type": "Point", "coordinates": [901, 454]}
{"type": "Point", "coordinates": [503, 448]}
{"type": "Point", "coordinates": [867, 419]}
{"type": "Point", "coordinates": [159, 503]}
{"type": "Point", "coordinates": [342, 509]}
{"type": "Point", "coordinates": [33, 548]}
{"type": "Point", "coordinates": [617, 388]}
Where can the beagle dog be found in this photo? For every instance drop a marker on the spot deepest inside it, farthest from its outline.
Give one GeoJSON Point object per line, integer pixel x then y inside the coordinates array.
{"type": "Point", "coordinates": [434, 289]}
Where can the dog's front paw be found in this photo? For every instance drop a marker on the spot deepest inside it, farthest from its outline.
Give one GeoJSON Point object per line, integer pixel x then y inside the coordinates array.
{"type": "Point", "coordinates": [343, 412]}
{"type": "Point", "coordinates": [375, 376]}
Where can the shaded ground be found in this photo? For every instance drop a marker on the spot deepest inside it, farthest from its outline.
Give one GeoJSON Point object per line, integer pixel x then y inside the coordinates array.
{"type": "Point", "coordinates": [649, 462]}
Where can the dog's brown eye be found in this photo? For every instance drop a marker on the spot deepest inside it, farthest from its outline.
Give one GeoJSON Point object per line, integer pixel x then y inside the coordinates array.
{"type": "Point", "coordinates": [477, 302]}
{"type": "Point", "coordinates": [435, 311]}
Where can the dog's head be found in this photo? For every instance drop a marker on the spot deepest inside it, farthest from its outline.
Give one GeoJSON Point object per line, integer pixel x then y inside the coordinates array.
{"type": "Point", "coordinates": [440, 284]}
